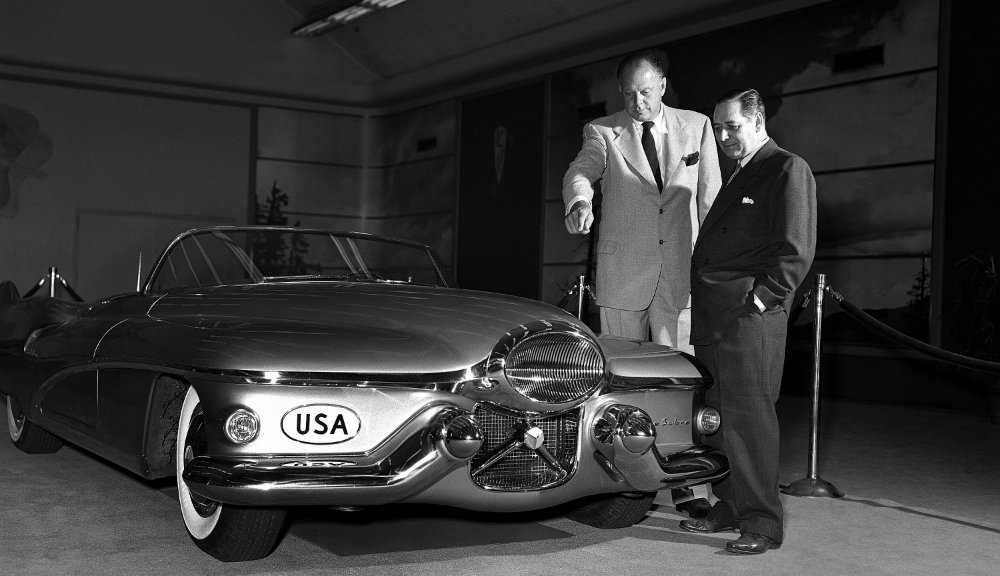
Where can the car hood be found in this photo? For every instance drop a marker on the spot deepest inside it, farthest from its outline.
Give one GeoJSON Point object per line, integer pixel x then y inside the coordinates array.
{"type": "Point", "coordinates": [326, 327]}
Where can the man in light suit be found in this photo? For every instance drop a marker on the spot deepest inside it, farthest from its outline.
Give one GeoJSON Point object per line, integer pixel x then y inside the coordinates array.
{"type": "Point", "coordinates": [755, 248]}
{"type": "Point", "coordinates": [659, 172]}
{"type": "Point", "coordinates": [652, 206]}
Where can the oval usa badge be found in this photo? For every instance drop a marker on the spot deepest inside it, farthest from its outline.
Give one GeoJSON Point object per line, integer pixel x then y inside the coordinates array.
{"type": "Point", "coordinates": [321, 424]}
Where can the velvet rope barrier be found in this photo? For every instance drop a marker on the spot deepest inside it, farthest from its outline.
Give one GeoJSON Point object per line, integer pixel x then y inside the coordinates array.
{"type": "Point", "coordinates": [897, 336]}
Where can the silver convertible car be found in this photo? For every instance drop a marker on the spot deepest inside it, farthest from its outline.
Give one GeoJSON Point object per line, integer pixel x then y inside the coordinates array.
{"type": "Point", "coordinates": [270, 367]}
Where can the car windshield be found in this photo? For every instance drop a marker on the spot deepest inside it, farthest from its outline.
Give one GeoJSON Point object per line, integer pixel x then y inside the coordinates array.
{"type": "Point", "coordinates": [218, 256]}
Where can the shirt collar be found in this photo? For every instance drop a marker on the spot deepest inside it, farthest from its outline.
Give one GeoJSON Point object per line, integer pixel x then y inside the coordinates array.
{"type": "Point", "coordinates": [746, 159]}
{"type": "Point", "coordinates": [658, 122]}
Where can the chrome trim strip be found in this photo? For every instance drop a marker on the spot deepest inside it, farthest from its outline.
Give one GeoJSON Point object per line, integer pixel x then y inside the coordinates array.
{"type": "Point", "coordinates": [242, 483]}
{"type": "Point", "coordinates": [615, 383]}
{"type": "Point", "coordinates": [105, 335]}
{"type": "Point", "coordinates": [441, 381]}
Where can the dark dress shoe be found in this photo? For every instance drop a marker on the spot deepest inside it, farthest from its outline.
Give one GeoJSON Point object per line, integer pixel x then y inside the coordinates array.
{"type": "Point", "coordinates": [697, 508]}
{"type": "Point", "coordinates": [751, 543]}
{"type": "Point", "coordinates": [706, 525]}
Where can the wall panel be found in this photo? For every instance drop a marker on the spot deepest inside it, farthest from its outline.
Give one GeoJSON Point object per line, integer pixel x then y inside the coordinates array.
{"type": "Point", "coordinates": [313, 188]}
{"type": "Point", "coordinates": [309, 136]}
{"type": "Point", "coordinates": [93, 150]}
{"type": "Point", "coordinates": [414, 135]}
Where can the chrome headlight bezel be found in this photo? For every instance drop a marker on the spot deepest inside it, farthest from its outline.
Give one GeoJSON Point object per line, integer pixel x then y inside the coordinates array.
{"type": "Point", "coordinates": [549, 362]}
{"type": "Point", "coordinates": [242, 426]}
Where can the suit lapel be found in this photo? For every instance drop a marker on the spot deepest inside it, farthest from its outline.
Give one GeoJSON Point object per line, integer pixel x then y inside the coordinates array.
{"type": "Point", "coordinates": [733, 193]}
{"type": "Point", "coordinates": [726, 198]}
{"type": "Point", "coordinates": [629, 143]}
{"type": "Point", "coordinates": [672, 145]}
{"type": "Point", "coordinates": [675, 142]}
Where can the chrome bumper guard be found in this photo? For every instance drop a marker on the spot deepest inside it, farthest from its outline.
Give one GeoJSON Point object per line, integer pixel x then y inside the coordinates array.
{"type": "Point", "coordinates": [650, 471]}
{"type": "Point", "coordinates": [625, 439]}
{"type": "Point", "coordinates": [449, 442]}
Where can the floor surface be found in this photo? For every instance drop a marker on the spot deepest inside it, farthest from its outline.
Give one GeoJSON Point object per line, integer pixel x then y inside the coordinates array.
{"type": "Point", "coordinates": [922, 496]}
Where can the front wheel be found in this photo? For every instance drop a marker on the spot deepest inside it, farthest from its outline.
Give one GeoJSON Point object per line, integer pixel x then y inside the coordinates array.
{"type": "Point", "coordinates": [25, 435]}
{"type": "Point", "coordinates": [613, 510]}
{"type": "Point", "coordinates": [229, 533]}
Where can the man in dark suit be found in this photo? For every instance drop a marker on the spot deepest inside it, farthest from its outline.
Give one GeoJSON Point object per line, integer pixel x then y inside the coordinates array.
{"type": "Point", "coordinates": [754, 249]}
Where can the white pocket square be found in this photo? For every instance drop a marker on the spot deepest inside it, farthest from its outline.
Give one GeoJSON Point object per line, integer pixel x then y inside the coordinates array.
{"type": "Point", "coordinates": [747, 200]}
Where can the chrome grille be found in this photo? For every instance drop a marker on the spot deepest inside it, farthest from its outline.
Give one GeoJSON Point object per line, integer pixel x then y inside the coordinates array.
{"type": "Point", "coordinates": [554, 367]}
{"type": "Point", "coordinates": [506, 463]}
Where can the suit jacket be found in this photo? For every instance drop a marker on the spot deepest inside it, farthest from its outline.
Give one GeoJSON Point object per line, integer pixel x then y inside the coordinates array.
{"type": "Point", "coordinates": [642, 229]}
{"type": "Point", "coordinates": [758, 238]}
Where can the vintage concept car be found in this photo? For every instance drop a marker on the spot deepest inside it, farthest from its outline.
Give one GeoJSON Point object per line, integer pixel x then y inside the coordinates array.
{"type": "Point", "coordinates": [270, 367]}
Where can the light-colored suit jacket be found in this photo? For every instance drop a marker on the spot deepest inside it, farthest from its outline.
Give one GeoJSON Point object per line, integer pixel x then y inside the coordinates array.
{"type": "Point", "coordinates": [641, 229]}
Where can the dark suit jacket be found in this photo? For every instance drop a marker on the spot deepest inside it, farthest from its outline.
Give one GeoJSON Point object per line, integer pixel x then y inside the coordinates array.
{"type": "Point", "coordinates": [758, 238]}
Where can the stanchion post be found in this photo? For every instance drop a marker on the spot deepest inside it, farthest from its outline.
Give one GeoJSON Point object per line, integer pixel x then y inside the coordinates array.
{"type": "Point", "coordinates": [580, 287]}
{"type": "Point", "coordinates": [812, 484]}
{"type": "Point", "coordinates": [53, 275]}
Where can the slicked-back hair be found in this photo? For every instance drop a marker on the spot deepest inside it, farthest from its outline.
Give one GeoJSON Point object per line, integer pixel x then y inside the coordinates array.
{"type": "Point", "coordinates": [636, 59]}
{"type": "Point", "coordinates": [750, 102]}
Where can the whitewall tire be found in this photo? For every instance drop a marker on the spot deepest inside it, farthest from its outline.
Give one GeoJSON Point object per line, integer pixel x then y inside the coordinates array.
{"type": "Point", "coordinates": [26, 436]}
{"type": "Point", "coordinates": [229, 533]}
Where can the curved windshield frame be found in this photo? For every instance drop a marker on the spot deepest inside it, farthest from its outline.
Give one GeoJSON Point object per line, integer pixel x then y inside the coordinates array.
{"type": "Point", "coordinates": [222, 256]}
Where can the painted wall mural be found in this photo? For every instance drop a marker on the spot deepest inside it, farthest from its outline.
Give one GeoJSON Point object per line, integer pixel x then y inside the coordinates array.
{"type": "Point", "coordinates": [24, 149]}
{"type": "Point", "coordinates": [850, 86]}
{"type": "Point", "coordinates": [91, 179]}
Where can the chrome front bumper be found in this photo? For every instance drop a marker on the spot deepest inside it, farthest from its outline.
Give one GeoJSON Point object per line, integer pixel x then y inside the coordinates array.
{"type": "Point", "coordinates": [391, 474]}
{"type": "Point", "coordinates": [443, 446]}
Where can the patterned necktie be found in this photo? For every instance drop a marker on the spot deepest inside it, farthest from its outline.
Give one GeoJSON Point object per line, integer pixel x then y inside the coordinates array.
{"type": "Point", "coordinates": [732, 174]}
{"type": "Point", "coordinates": [649, 147]}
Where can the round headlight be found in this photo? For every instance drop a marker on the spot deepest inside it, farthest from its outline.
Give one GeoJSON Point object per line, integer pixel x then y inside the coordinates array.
{"type": "Point", "coordinates": [554, 367]}
{"type": "Point", "coordinates": [242, 426]}
{"type": "Point", "coordinates": [709, 420]}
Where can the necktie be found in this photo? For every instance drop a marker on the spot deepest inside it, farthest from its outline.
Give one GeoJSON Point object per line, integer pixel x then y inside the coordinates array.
{"type": "Point", "coordinates": [733, 173]}
{"type": "Point", "coordinates": [649, 147]}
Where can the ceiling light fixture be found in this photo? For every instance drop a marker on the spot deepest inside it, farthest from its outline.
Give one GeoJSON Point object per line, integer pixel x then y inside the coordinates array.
{"type": "Point", "coordinates": [340, 14]}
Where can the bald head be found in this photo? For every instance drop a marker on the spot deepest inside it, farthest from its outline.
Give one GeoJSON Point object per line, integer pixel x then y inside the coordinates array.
{"type": "Point", "coordinates": [642, 84]}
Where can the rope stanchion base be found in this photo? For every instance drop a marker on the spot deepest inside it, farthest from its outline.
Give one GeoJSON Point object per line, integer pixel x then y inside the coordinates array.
{"type": "Point", "coordinates": [812, 487]}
